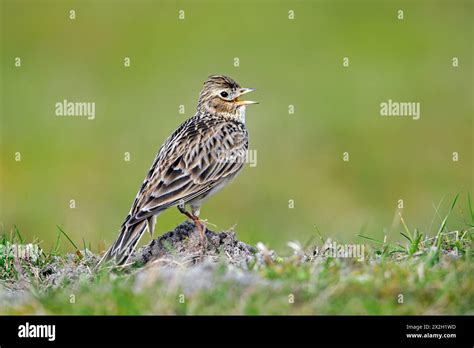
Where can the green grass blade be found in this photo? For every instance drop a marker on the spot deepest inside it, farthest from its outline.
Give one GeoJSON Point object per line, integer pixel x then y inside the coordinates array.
{"type": "Point", "coordinates": [407, 230]}
{"type": "Point", "coordinates": [404, 235]}
{"type": "Point", "coordinates": [17, 232]}
{"type": "Point", "coordinates": [471, 210]}
{"type": "Point", "coordinates": [371, 239]}
{"type": "Point", "coordinates": [78, 252]}
{"type": "Point", "coordinates": [445, 220]}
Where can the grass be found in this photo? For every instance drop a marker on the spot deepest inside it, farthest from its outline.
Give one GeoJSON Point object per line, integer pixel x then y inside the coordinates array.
{"type": "Point", "coordinates": [425, 275]}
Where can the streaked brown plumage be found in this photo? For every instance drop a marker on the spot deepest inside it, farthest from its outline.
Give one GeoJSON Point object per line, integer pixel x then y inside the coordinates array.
{"type": "Point", "coordinates": [203, 155]}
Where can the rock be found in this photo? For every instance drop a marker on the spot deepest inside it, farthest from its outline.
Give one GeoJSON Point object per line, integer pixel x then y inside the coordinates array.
{"type": "Point", "coordinates": [183, 246]}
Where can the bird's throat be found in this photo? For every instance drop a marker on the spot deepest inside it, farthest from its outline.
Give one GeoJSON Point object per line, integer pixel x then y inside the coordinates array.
{"type": "Point", "coordinates": [241, 113]}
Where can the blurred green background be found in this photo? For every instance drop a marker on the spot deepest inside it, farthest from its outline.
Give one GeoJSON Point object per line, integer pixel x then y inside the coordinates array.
{"type": "Point", "coordinates": [297, 62]}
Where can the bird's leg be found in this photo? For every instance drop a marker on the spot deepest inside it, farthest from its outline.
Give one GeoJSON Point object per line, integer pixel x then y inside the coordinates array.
{"type": "Point", "coordinates": [185, 212]}
{"type": "Point", "coordinates": [194, 216]}
{"type": "Point", "coordinates": [201, 226]}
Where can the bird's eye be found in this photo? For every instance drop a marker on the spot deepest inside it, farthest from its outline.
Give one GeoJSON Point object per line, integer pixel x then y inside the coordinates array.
{"type": "Point", "coordinates": [224, 94]}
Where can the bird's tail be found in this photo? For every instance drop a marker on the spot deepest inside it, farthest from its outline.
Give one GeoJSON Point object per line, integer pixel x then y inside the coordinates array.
{"type": "Point", "coordinates": [123, 247]}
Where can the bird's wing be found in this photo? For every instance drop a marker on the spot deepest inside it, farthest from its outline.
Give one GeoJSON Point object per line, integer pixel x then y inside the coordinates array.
{"type": "Point", "coordinates": [196, 158]}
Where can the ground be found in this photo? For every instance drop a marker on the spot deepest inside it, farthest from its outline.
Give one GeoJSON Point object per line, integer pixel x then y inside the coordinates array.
{"type": "Point", "coordinates": [173, 275]}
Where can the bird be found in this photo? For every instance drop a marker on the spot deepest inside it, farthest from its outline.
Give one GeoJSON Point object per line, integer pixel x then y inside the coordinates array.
{"type": "Point", "coordinates": [202, 156]}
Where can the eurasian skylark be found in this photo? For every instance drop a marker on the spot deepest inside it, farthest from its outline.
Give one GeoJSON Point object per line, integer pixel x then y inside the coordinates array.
{"type": "Point", "coordinates": [201, 157]}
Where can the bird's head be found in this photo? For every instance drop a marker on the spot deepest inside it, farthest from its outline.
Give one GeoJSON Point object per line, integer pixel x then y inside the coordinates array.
{"type": "Point", "coordinates": [221, 96]}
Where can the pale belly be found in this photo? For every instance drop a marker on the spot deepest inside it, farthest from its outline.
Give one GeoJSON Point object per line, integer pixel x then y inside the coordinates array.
{"type": "Point", "coordinates": [196, 203]}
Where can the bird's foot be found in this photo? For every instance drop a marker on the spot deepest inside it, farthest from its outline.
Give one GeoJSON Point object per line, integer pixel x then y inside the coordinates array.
{"type": "Point", "coordinates": [200, 226]}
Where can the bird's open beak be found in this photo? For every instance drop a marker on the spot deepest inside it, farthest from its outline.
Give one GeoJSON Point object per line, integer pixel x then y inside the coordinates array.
{"type": "Point", "coordinates": [243, 91]}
